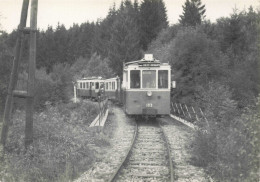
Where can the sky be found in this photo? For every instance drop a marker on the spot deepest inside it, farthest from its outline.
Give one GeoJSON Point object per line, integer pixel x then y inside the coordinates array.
{"type": "Point", "coordinates": [67, 12]}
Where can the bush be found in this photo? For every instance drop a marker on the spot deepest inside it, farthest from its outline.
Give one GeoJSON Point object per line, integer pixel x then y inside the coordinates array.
{"type": "Point", "coordinates": [55, 87]}
{"type": "Point", "coordinates": [60, 148]}
{"type": "Point", "coordinates": [228, 146]}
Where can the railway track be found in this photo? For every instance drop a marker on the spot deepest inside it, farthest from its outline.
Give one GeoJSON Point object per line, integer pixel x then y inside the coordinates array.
{"type": "Point", "coordinates": [148, 157]}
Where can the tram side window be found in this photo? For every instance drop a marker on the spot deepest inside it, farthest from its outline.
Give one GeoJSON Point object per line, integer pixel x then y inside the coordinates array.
{"type": "Point", "coordinates": [106, 86]}
{"type": "Point", "coordinates": [125, 80]}
{"type": "Point", "coordinates": [101, 85]}
{"type": "Point", "coordinates": [163, 79]}
{"type": "Point", "coordinates": [87, 85]}
{"type": "Point", "coordinates": [113, 85]}
{"type": "Point", "coordinates": [97, 85]}
{"type": "Point", "coordinates": [80, 85]}
{"type": "Point", "coordinates": [135, 79]}
{"type": "Point", "coordinates": [84, 85]}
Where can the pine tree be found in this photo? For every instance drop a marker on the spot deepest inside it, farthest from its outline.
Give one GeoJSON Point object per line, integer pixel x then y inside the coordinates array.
{"type": "Point", "coordinates": [124, 44]}
{"type": "Point", "coordinates": [193, 13]}
{"type": "Point", "coordinates": [103, 31]}
{"type": "Point", "coordinates": [46, 50]}
{"type": "Point", "coordinates": [153, 19]}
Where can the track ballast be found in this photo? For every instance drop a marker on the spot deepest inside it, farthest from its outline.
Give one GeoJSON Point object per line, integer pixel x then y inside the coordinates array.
{"type": "Point", "coordinates": [148, 159]}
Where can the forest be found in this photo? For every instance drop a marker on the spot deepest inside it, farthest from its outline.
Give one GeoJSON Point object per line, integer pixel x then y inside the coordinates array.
{"type": "Point", "coordinates": [215, 65]}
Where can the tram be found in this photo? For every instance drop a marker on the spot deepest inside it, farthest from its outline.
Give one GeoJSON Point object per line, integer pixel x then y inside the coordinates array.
{"type": "Point", "coordinates": [146, 87]}
{"type": "Point", "coordinates": [89, 87]}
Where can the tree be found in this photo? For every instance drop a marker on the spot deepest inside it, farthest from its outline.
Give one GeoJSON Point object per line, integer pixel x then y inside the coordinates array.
{"type": "Point", "coordinates": [193, 13]}
{"type": "Point", "coordinates": [196, 61]}
{"type": "Point", "coordinates": [6, 57]}
{"type": "Point", "coordinates": [237, 36]}
{"type": "Point", "coordinates": [103, 31]}
{"type": "Point", "coordinates": [46, 50]}
{"type": "Point", "coordinates": [124, 44]}
{"type": "Point", "coordinates": [97, 66]}
{"type": "Point", "coordinates": [153, 19]}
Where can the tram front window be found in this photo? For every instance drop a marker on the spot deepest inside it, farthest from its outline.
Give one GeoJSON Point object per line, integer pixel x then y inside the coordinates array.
{"type": "Point", "coordinates": [135, 79]}
{"type": "Point", "coordinates": [163, 79]}
{"type": "Point", "coordinates": [149, 79]}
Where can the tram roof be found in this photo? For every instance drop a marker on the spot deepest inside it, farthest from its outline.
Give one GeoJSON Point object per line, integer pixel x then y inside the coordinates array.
{"type": "Point", "coordinates": [92, 78]}
{"type": "Point", "coordinates": [142, 61]}
{"type": "Point", "coordinates": [147, 60]}
{"type": "Point", "coordinates": [112, 78]}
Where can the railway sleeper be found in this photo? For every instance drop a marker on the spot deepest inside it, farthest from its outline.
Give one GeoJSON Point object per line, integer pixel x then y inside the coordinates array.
{"type": "Point", "coordinates": [163, 167]}
{"type": "Point", "coordinates": [147, 163]}
{"type": "Point", "coordinates": [145, 159]}
{"type": "Point", "coordinates": [147, 171]}
{"type": "Point", "coordinates": [148, 157]}
{"type": "Point", "coordinates": [147, 147]}
{"type": "Point", "coordinates": [148, 175]}
{"type": "Point", "coordinates": [148, 151]}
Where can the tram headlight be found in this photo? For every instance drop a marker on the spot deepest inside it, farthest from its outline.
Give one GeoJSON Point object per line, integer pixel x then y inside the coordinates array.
{"type": "Point", "coordinates": [149, 93]}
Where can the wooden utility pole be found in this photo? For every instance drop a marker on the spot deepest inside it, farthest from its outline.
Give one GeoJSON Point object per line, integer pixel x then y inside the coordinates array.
{"type": "Point", "coordinates": [14, 73]}
{"type": "Point", "coordinates": [29, 94]}
{"type": "Point", "coordinates": [31, 75]}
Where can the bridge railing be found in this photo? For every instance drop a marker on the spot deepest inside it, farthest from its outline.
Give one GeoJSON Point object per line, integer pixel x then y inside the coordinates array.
{"type": "Point", "coordinates": [189, 113]}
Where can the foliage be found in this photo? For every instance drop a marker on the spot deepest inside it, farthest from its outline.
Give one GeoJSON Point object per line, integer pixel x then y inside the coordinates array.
{"type": "Point", "coordinates": [228, 145]}
{"type": "Point", "coordinates": [161, 47]}
{"type": "Point", "coordinates": [153, 19]}
{"type": "Point", "coordinates": [60, 147]}
{"type": "Point", "coordinates": [97, 67]}
{"type": "Point", "coordinates": [193, 13]}
{"type": "Point", "coordinates": [124, 44]}
{"type": "Point", "coordinates": [79, 65]}
{"type": "Point", "coordinates": [103, 31]}
{"type": "Point", "coordinates": [5, 69]}
{"type": "Point", "coordinates": [196, 60]}
{"type": "Point", "coordinates": [238, 39]}
{"type": "Point", "coordinates": [55, 87]}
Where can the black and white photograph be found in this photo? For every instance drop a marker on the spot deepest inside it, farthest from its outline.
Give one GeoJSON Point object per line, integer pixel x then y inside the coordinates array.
{"type": "Point", "coordinates": [129, 90]}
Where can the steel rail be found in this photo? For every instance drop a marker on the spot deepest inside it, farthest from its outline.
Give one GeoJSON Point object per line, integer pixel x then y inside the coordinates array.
{"type": "Point", "coordinates": [169, 153]}
{"type": "Point", "coordinates": [126, 156]}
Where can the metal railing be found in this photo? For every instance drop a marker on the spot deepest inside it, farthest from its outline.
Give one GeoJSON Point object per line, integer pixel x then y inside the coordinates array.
{"type": "Point", "coordinates": [189, 113]}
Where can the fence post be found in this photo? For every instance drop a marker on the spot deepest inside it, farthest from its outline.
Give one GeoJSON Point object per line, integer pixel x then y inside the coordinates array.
{"type": "Point", "coordinates": [187, 110]}
{"type": "Point", "coordinates": [182, 111]}
{"type": "Point", "coordinates": [173, 107]}
{"type": "Point", "coordinates": [204, 117]}
{"type": "Point", "coordinates": [177, 109]}
{"type": "Point", "coordinates": [100, 110]}
{"type": "Point", "coordinates": [195, 113]}
{"type": "Point", "coordinates": [75, 93]}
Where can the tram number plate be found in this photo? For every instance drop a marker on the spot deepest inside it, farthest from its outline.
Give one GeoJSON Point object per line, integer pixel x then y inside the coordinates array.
{"type": "Point", "coordinates": [149, 105]}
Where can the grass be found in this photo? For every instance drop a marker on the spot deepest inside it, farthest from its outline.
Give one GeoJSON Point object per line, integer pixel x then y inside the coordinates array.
{"type": "Point", "coordinates": [60, 149]}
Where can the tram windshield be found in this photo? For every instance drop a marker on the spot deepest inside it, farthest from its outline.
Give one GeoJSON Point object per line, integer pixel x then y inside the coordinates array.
{"type": "Point", "coordinates": [135, 79]}
{"type": "Point", "coordinates": [163, 79]}
{"type": "Point", "coordinates": [149, 79]}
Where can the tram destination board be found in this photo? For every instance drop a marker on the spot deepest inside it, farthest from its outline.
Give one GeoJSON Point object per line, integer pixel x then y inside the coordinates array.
{"type": "Point", "coordinates": [149, 64]}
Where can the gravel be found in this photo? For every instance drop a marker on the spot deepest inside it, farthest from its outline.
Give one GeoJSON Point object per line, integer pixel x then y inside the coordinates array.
{"type": "Point", "coordinates": [111, 157]}
{"type": "Point", "coordinates": [180, 137]}
{"type": "Point", "coordinates": [121, 134]}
